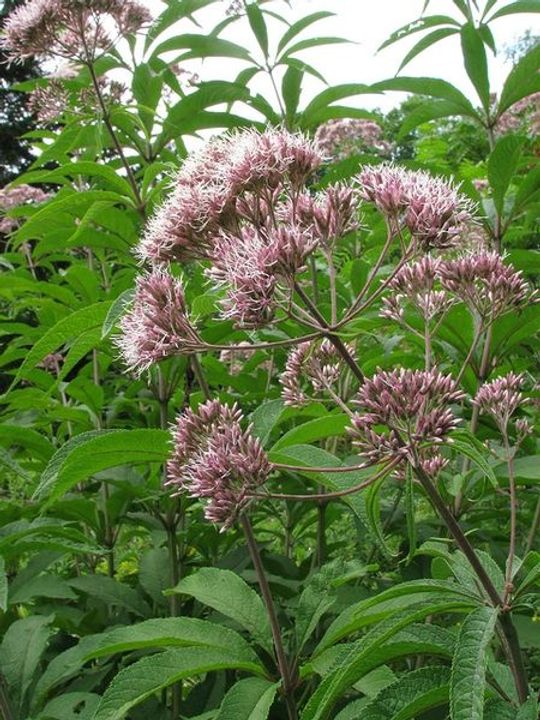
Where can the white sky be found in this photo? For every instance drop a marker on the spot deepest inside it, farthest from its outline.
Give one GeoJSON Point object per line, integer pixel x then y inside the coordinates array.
{"type": "Point", "coordinates": [367, 23]}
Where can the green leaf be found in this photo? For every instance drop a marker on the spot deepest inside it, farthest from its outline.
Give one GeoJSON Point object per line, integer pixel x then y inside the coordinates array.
{"type": "Point", "coordinates": [311, 43]}
{"type": "Point", "coordinates": [111, 592]}
{"type": "Point", "coordinates": [429, 110]}
{"type": "Point", "coordinates": [67, 329]}
{"type": "Point", "coordinates": [523, 80]}
{"type": "Point", "coordinates": [94, 451]}
{"type": "Point", "coordinates": [528, 190]}
{"type": "Point", "coordinates": [23, 645]}
{"type": "Point", "coordinates": [202, 46]}
{"type": "Point", "coordinates": [465, 443]}
{"type": "Point", "coordinates": [227, 593]}
{"type": "Point", "coordinates": [258, 25]}
{"type": "Point", "coordinates": [264, 418]}
{"type": "Point", "coordinates": [297, 27]}
{"type": "Point", "coordinates": [502, 165]}
{"type": "Point", "coordinates": [520, 6]}
{"type": "Point", "coordinates": [419, 25]}
{"type": "Point", "coordinates": [72, 170]}
{"type": "Point", "coordinates": [116, 310]}
{"type": "Point", "coordinates": [426, 42]}
{"type": "Point", "coordinates": [358, 658]}
{"type": "Point", "coordinates": [248, 699]}
{"type": "Point", "coordinates": [469, 665]}
{"type": "Point", "coordinates": [71, 706]}
{"type": "Point", "coordinates": [529, 710]}
{"type": "Point", "coordinates": [46, 586]}
{"type": "Point", "coordinates": [474, 55]}
{"type": "Point", "coordinates": [390, 601]}
{"type": "Point", "coordinates": [332, 94]}
{"type": "Point", "coordinates": [146, 677]}
{"type": "Point", "coordinates": [172, 14]}
{"type": "Point", "coordinates": [433, 87]}
{"type": "Point", "coordinates": [291, 88]}
{"type": "Point", "coordinates": [414, 693]}
{"type": "Point", "coordinates": [313, 430]}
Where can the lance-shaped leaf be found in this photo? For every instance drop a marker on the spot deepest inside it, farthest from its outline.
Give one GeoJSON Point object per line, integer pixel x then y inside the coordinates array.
{"type": "Point", "coordinates": [469, 665]}
{"type": "Point", "coordinates": [249, 699]}
{"type": "Point", "coordinates": [474, 55]}
{"type": "Point", "coordinates": [502, 165]}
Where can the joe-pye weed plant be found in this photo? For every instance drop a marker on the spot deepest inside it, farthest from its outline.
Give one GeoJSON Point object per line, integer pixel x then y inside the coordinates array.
{"type": "Point", "coordinates": [338, 522]}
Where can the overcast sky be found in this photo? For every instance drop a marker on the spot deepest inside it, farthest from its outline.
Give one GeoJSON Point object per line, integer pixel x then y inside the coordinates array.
{"type": "Point", "coordinates": [367, 23]}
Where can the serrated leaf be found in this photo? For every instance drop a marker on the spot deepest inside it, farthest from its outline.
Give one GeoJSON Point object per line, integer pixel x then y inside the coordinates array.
{"type": "Point", "coordinates": [502, 165]}
{"type": "Point", "coordinates": [313, 430]}
{"type": "Point", "coordinates": [248, 699]}
{"type": "Point", "coordinates": [227, 593]}
{"type": "Point", "coordinates": [474, 55]}
{"type": "Point", "coordinates": [147, 676]}
{"type": "Point", "coordinates": [433, 87]}
{"type": "Point", "coordinates": [94, 451]}
{"type": "Point", "coordinates": [523, 80]}
{"type": "Point", "coordinates": [465, 443]}
{"type": "Point", "coordinates": [264, 418]}
{"type": "Point", "coordinates": [297, 27]}
{"type": "Point", "coordinates": [469, 665]}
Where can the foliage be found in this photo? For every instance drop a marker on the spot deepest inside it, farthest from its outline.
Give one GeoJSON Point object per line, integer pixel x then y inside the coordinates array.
{"type": "Point", "coordinates": [345, 588]}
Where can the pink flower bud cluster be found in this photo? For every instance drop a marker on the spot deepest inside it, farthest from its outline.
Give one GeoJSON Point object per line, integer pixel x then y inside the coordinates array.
{"type": "Point", "coordinates": [432, 209]}
{"type": "Point", "coordinates": [485, 283]}
{"type": "Point", "coordinates": [315, 364]}
{"type": "Point", "coordinates": [329, 214]}
{"type": "Point", "coordinates": [343, 137]}
{"type": "Point", "coordinates": [216, 461]}
{"type": "Point", "coordinates": [81, 29]}
{"type": "Point", "coordinates": [12, 197]}
{"type": "Point", "coordinates": [417, 285]}
{"type": "Point", "coordinates": [500, 398]}
{"type": "Point", "coordinates": [157, 324]}
{"type": "Point", "coordinates": [522, 116]}
{"type": "Point", "coordinates": [413, 406]}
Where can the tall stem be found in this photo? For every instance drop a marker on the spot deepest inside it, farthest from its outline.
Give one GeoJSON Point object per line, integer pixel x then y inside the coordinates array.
{"type": "Point", "coordinates": [513, 518]}
{"type": "Point", "coordinates": [283, 664]}
{"type": "Point", "coordinates": [118, 147]}
{"type": "Point", "coordinates": [534, 528]}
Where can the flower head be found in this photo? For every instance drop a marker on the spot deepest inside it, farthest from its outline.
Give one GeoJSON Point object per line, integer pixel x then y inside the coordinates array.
{"type": "Point", "coordinates": [342, 137]}
{"type": "Point", "coordinates": [433, 210]}
{"type": "Point", "coordinates": [69, 28]}
{"type": "Point", "coordinates": [12, 197]}
{"type": "Point", "coordinates": [215, 460]}
{"type": "Point", "coordinates": [317, 363]}
{"type": "Point", "coordinates": [157, 324]}
{"type": "Point", "coordinates": [416, 284]}
{"type": "Point", "coordinates": [328, 215]}
{"type": "Point", "coordinates": [485, 283]}
{"type": "Point", "coordinates": [413, 406]}
{"type": "Point", "coordinates": [500, 398]}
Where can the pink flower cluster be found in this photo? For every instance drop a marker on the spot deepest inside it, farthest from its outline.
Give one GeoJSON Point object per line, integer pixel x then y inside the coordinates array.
{"type": "Point", "coordinates": [481, 280]}
{"type": "Point", "coordinates": [523, 115]}
{"type": "Point", "coordinates": [500, 398]}
{"type": "Point", "coordinates": [157, 324]}
{"type": "Point", "coordinates": [80, 29]}
{"type": "Point", "coordinates": [416, 285]}
{"type": "Point", "coordinates": [432, 208]}
{"type": "Point", "coordinates": [317, 364]}
{"type": "Point", "coordinates": [343, 137]}
{"type": "Point", "coordinates": [485, 283]}
{"type": "Point", "coordinates": [215, 460]}
{"type": "Point", "coordinates": [414, 407]}
{"type": "Point", "coordinates": [12, 197]}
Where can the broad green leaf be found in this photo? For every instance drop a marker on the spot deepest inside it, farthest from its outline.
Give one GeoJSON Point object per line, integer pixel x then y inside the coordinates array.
{"type": "Point", "coordinates": [523, 80]}
{"type": "Point", "coordinates": [264, 418]}
{"type": "Point", "coordinates": [227, 593]}
{"type": "Point", "coordinates": [248, 699]}
{"type": "Point", "coordinates": [433, 87]}
{"type": "Point", "coordinates": [474, 55]}
{"type": "Point", "coordinates": [313, 430]}
{"type": "Point", "coordinates": [333, 94]}
{"type": "Point", "coordinates": [71, 706]}
{"type": "Point", "coordinates": [357, 659]}
{"type": "Point", "coordinates": [202, 46]}
{"type": "Point", "coordinates": [393, 600]}
{"type": "Point", "coordinates": [94, 451]}
{"type": "Point", "coordinates": [258, 25]}
{"type": "Point", "coordinates": [502, 165]}
{"type": "Point", "coordinates": [468, 679]}
{"type": "Point", "coordinates": [297, 27]}
{"type": "Point", "coordinates": [71, 171]}
{"type": "Point", "coordinates": [528, 190]}
{"type": "Point", "coordinates": [316, 599]}
{"type": "Point", "coordinates": [529, 710]}
{"type": "Point", "coordinates": [414, 693]}
{"type": "Point", "coordinates": [67, 329]}
{"type": "Point", "coordinates": [23, 645]}
{"type": "Point", "coordinates": [45, 586]}
{"type": "Point", "coordinates": [429, 110]}
{"type": "Point", "coordinates": [111, 592]}
{"type": "Point", "coordinates": [151, 674]}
